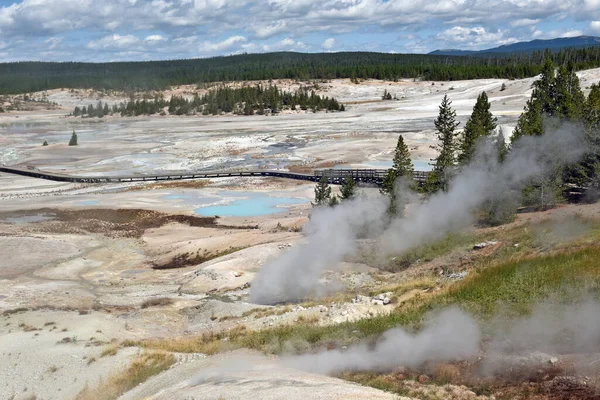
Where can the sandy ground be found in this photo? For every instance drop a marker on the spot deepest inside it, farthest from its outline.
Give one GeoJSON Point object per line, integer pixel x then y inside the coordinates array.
{"type": "Point", "coordinates": [246, 375]}
{"type": "Point", "coordinates": [74, 275]}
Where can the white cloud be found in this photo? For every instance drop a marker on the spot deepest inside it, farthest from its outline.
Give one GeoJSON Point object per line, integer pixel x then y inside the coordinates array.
{"type": "Point", "coordinates": [264, 32]}
{"type": "Point", "coordinates": [328, 43]}
{"type": "Point", "coordinates": [188, 28]}
{"type": "Point", "coordinates": [471, 37]}
{"type": "Point", "coordinates": [54, 42]}
{"type": "Point", "coordinates": [287, 44]}
{"type": "Point", "coordinates": [154, 38]}
{"type": "Point", "coordinates": [224, 45]}
{"type": "Point", "coordinates": [572, 33]}
{"type": "Point", "coordinates": [524, 22]}
{"type": "Point", "coordinates": [114, 41]}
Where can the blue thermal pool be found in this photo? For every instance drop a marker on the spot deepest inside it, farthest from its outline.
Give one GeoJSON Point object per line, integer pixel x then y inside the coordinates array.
{"type": "Point", "coordinates": [249, 204]}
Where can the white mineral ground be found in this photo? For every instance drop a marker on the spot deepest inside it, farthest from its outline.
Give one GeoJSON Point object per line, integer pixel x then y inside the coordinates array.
{"type": "Point", "coordinates": [56, 269]}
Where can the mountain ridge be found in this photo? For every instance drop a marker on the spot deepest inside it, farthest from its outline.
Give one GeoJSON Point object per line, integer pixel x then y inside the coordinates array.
{"type": "Point", "coordinates": [526, 47]}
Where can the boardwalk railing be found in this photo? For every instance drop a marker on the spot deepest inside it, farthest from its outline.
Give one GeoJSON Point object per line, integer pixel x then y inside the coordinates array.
{"type": "Point", "coordinates": [334, 176]}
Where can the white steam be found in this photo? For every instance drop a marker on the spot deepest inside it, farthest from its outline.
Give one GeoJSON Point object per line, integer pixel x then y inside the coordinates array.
{"type": "Point", "coordinates": [331, 232]}
{"type": "Point", "coordinates": [450, 335]}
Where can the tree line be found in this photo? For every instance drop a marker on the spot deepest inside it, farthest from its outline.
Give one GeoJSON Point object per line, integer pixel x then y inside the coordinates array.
{"type": "Point", "coordinates": [247, 100]}
{"type": "Point", "coordinates": [23, 77]}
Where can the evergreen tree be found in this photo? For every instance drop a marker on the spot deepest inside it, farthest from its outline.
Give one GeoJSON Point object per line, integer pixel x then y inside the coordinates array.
{"type": "Point", "coordinates": [501, 146]}
{"type": "Point", "coordinates": [569, 101]}
{"type": "Point", "coordinates": [545, 88]}
{"type": "Point", "coordinates": [481, 124]}
{"type": "Point", "coordinates": [322, 192]}
{"type": "Point", "coordinates": [45, 143]}
{"type": "Point", "coordinates": [76, 112]}
{"type": "Point", "coordinates": [348, 189]}
{"type": "Point", "coordinates": [592, 109]}
{"type": "Point", "coordinates": [531, 122]}
{"type": "Point", "coordinates": [542, 103]}
{"type": "Point", "coordinates": [444, 163]}
{"type": "Point", "coordinates": [402, 166]}
{"type": "Point", "coordinates": [73, 141]}
{"type": "Point", "coordinates": [591, 160]}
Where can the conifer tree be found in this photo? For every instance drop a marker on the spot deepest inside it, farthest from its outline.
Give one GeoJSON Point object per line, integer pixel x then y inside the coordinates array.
{"type": "Point", "coordinates": [402, 166]}
{"type": "Point", "coordinates": [45, 143]}
{"type": "Point", "coordinates": [443, 164]}
{"type": "Point", "coordinates": [501, 146]}
{"type": "Point", "coordinates": [348, 189]}
{"type": "Point", "coordinates": [481, 124]}
{"type": "Point", "coordinates": [322, 192]}
{"type": "Point", "coordinates": [73, 141]}
{"type": "Point", "coordinates": [569, 101]}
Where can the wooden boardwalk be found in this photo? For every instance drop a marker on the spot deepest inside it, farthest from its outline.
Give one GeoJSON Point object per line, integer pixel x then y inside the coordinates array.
{"type": "Point", "coordinates": [334, 176]}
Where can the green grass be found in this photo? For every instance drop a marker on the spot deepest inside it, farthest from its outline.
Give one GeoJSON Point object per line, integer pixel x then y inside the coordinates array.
{"type": "Point", "coordinates": [514, 285]}
{"type": "Point", "coordinates": [432, 251]}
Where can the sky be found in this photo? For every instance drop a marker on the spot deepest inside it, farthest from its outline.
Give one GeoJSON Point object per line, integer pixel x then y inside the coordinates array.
{"type": "Point", "coordinates": [119, 30]}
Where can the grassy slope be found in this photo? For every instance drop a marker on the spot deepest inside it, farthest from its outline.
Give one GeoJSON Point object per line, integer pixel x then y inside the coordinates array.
{"type": "Point", "coordinates": [513, 278]}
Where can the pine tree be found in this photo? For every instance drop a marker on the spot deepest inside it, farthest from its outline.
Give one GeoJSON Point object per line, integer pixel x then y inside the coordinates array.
{"type": "Point", "coordinates": [591, 160]}
{"type": "Point", "coordinates": [481, 124]}
{"type": "Point", "coordinates": [501, 146]}
{"type": "Point", "coordinates": [401, 166]}
{"type": "Point", "coordinates": [73, 141]}
{"type": "Point", "coordinates": [444, 163]}
{"type": "Point", "coordinates": [348, 189]}
{"type": "Point", "coordinates": [45, 143]}
{"type": "Point", "coordinates": [545, 88]}
{"type": "Point", "coordinates": [76, 112]}
{"type": "Point", "coordinates": [569, 101]}
{"type": "Point", "coordinates": [542, 103]}
{"type": "Point", "coordinates": [322, 192]}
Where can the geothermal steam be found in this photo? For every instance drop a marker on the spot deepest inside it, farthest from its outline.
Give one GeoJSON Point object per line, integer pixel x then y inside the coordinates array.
{"type": "Point", "coordinates": [332, 231]}
{"type": "Point", "coordinates": [450, 335]}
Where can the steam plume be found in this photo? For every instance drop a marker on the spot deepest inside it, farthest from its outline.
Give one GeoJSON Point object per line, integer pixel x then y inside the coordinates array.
{"type": "Point", "coordinates": [331, 232]}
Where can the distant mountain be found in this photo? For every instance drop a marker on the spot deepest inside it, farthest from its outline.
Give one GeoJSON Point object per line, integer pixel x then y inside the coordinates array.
{"type": "Point", "coordinates": [527, 47]}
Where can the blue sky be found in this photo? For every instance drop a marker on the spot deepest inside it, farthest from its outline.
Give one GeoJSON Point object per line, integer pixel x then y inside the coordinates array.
{"type": "Point", "coordinates": [114, 30]}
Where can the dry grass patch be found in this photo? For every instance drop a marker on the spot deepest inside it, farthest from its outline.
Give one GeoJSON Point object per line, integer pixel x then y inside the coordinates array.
{"type": "Point", "coordinates": [188, 259]}
{"type": "Point", "coordinates": [207, 343]}
{"type": "Point", "coordinates": [141, 369]}
{"type": "Point", "coordinates": [110, 351]}
{"type": "Point", "coordinates": [156, 302]}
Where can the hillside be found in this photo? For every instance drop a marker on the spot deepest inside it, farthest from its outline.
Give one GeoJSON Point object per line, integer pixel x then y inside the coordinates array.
{"type": "Point", "coordinates": [24, 77]}
{"type": "Point", "coordinates": [527, 47]}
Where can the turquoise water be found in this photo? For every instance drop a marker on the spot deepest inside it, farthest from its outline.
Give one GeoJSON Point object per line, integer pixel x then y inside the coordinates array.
{"type": "Point", "coordinates": [88, 202]}
{"type": "Point", "coordinates": [251, 205]}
